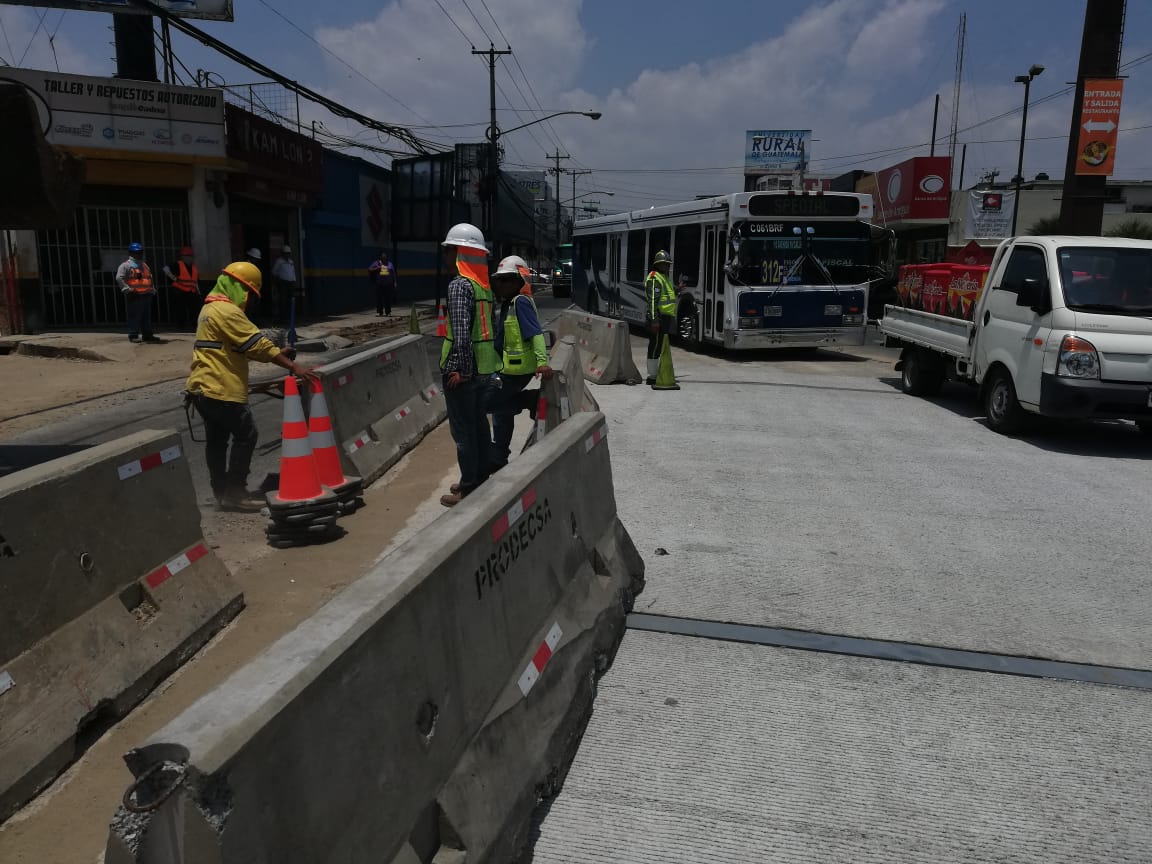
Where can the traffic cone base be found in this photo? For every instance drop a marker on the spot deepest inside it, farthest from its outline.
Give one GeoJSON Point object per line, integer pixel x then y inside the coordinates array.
{"type": "Point", "coordinates": [666, 377]}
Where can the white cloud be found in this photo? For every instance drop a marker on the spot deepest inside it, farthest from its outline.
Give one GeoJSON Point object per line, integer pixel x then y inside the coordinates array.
{"type": "Point", "coordinates": [852, 70]}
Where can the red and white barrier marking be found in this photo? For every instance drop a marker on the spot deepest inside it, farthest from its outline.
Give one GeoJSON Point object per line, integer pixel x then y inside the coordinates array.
{"type": "Point", "coordinates": [343, 381]}
{"type": "Point", "coordinates": [508, 519]}
{"type": "Point", "coordinates": [541, 416]}
{"type": "Point", "coordinates": [181, 562]}
{"type": "Point", "coordinates": [540, 659]}
{"type": "Point", "coordinates": [361, 440]}
{"type": "Point", "coordinates": [595, 438]}
{"type": "Point", "coordinates": [596, 372]}
{"type": "Point", "coordinates": [386, 356]}
{"type": "Point", "coordinates": [432, 392]}
{"type": "Point", "coordinates": [402, 413]}
{"type": "Point", "coordinates": [147, 463]}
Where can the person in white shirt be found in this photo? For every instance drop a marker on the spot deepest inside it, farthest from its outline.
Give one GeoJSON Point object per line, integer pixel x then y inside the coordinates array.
{"type": "Point", "coordinates": [284, 283]}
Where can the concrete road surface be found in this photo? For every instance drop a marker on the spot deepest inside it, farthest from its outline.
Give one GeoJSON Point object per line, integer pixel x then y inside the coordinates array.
{"type": "Point", "coordinates": [806, 491]}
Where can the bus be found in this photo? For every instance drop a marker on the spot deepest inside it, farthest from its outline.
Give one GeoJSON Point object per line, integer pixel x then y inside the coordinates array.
{"type": "Point", "coordinates": [562, 272]}
{"type": "Point", "coordinates": [754, 269]}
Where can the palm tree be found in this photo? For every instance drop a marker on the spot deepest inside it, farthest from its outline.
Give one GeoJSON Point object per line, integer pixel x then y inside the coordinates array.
{"type": "Point", "coordinates": [1133, 229]}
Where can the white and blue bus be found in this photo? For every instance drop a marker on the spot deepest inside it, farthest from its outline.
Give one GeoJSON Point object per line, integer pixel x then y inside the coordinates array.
{"type": "Point", "coordinates": [756, 269]}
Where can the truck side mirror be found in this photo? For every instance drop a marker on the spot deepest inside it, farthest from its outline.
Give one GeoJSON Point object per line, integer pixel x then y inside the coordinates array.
{"type": "Point", "coordinates": [1033, 293]}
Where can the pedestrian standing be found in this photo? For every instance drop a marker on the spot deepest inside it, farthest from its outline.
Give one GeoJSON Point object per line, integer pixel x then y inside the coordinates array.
{"type": "Point", "coordinates": [659, 311]}
{"type": "Point", "coordinates": [185, 278]}
{"type": "Point", "coordinates": [523, 353]}
{"type": "Point", "coordinates": [468, 357]}
{"type": "Point", "coordinates": [284, 284]}
{"type": "Point", "coordinates": [225, 343]}
{"type": "Point", "coordinates": [134, 278]}
{"type": "Point", "coordinates": [382, 273]}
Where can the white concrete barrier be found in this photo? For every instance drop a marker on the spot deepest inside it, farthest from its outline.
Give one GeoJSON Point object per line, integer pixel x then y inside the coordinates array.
{"type": "Point", "coordinates": [423, 711]}
{"type": "Point", "coordinates": [383, 402]}
{"type": "Point", "coordinates": [106, 586]}
{"type": "Point", "coordinates": [566, 393]}
{"type": "Point", "coordinates": [605, 345]}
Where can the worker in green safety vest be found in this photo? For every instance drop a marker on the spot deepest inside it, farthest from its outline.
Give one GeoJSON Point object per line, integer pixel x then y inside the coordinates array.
{"type": "Point", "coordinates": [659, 311]}
{"type": "Point", "coordinates": [468, 357]}
{"type": "Point", "coordinates": [520, 339]}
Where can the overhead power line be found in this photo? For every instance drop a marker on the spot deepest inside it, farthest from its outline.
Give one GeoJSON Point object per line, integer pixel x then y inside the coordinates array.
{"type": "Point", "coordinates": [405, 136]}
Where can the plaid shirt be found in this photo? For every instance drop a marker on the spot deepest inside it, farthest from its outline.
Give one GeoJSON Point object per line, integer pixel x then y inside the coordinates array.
{"type": "Point", "coordinates": [461, 308]}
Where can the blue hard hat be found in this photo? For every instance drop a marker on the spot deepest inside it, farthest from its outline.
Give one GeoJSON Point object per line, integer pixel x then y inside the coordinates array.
{"type": "Point", "coordinates": [135, 247]}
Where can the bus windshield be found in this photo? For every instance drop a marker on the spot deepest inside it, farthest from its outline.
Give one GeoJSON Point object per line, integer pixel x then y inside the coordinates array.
{"type": "Point", "coordinates": [831, 253]}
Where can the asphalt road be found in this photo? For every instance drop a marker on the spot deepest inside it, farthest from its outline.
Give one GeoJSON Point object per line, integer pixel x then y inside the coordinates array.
{"type": "Point", "coordinates": [805, 491]}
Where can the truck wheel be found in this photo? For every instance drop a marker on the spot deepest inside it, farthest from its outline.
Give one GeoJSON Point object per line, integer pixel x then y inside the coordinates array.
{"type": "Point", "coordinates": [921, 373]}
{"type": "Point", "coordinates": [1001, 405]}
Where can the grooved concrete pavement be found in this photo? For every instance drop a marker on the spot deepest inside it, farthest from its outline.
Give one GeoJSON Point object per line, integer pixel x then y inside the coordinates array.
{"type": "Point", "coordinates": [806, 491]}
{"type": "Point", "coordinates": [704, 751]}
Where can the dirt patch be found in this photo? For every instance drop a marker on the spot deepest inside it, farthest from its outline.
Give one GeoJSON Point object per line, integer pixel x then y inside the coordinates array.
{"type": "Point", "coordinates": [68, 823]}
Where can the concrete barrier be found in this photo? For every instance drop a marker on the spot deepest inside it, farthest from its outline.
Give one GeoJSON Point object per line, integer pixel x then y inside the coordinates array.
{"type": "Point", "coordinates": [383, 402]}
{"type": "Point", "coordinates": [423, 711]}
{"type": "Point", "coordinates": [606, 346]}
{"type": "Point", "coordinates": [566, 393]}
{"type": "Point", "coordinates": [107, 586]}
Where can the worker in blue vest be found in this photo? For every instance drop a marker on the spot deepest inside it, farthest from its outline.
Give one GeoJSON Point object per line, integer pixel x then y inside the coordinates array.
{"type": "Point", "coordinates": [520, 342]}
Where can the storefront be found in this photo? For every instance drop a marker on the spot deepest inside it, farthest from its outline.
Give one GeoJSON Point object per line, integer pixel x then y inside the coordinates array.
{"type": "Point", "coordinates": [274, 173]}
{"type": "Point", "coordinates": [152, 153]}
{"type": "Point", "coordinates": [912, 199]}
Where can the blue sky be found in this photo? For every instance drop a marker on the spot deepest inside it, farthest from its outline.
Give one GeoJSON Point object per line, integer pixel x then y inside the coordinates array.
{"type": "Point", "coordinates": [677, 82]}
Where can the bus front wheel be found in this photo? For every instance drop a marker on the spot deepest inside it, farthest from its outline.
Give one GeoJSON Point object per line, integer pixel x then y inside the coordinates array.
{"type": "Point", "coordinates": [688, 327]}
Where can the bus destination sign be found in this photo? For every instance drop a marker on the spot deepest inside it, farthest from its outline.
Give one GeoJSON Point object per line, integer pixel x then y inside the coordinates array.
{"type": "Point", "coordinates": [804, 206]}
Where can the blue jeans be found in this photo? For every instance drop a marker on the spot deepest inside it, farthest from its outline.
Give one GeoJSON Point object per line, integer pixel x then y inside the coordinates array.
{"type": "Point", "coordinates": [504, 405]}
{"type": "Point", "coordinates": [139, 314]}
{"type": "Point", "coordinates": [468, 424]}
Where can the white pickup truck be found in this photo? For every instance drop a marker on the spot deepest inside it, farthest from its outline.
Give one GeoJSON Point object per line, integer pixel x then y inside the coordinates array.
{"type": "Point", "coordinates": [1062, 328]}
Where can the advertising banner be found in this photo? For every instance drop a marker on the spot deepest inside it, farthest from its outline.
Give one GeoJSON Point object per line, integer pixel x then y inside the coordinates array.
{"type": "Point", "coordinates": [989, 215]}
{"type": "Point", "coordinates": [772, 150]}
{"type": "Point", "coordinates": [374, 210]}
{"type": "Point", "coordinates": [216, 10]}
{"type": "Point", "coordinates": [915, 190]}
{"type": "Point", "coordinates": [1099, 126]}
{"type": "Point", "coordinates": [116, 114]}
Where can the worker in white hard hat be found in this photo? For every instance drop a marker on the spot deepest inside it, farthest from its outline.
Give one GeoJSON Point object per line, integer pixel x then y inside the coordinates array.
{"type": "Point", "coordinates": [468, 357]}
{"type": "Point", "coordinates": [523, 353]}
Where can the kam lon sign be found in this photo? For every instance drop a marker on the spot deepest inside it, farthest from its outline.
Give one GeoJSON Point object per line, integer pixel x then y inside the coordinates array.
{"type": "Point", "coordinates": [116, 114]}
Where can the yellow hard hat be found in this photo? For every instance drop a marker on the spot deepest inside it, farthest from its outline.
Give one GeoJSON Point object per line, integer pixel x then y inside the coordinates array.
{"type": "Point", "coordinates": [246, 273]}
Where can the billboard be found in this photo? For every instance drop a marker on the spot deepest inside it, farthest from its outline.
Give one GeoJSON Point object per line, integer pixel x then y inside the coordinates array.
{"type": "Point", "coordinates": [915, 190]}
{"type": "Point", "coordinates": [117, 114]}
{"type": "Point", "coordinates": [776, 150]}
{"type": "Point", "coordinates": [989, 214]}
{"type": "Point", "coordinates": [1099, 126]}
{"type": "Point", "coordinates": [216, 10]}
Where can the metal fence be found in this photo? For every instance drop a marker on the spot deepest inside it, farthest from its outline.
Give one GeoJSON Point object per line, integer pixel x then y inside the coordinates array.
{"type": "Point", "coordinates": [78, 264]}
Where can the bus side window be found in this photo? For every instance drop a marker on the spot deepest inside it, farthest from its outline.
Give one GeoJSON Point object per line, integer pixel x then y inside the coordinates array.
{"type": "Point", "coordinates": [636, 269]}
{"type": "Point", "coordinates": [686, 256]}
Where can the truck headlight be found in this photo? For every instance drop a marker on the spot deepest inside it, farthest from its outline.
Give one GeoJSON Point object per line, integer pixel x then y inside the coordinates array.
{"type": "Point", "coordinates": [1078, 359]}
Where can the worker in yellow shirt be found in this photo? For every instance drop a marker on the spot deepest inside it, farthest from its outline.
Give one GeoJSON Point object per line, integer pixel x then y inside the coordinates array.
{"type": "Point", "coordinates": [225, 343]}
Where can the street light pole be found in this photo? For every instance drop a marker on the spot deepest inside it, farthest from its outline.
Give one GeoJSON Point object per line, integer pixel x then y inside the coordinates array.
{"type": "Point", "coordinates": [1026, 80]}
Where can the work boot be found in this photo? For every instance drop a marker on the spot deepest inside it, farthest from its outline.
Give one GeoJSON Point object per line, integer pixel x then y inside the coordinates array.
{"type": "Point", "coordinates": [451, 500]}
{"type": "Point", "coordinates": [454, 488]}
{"type": "Point", "coordinates": [239, 501]}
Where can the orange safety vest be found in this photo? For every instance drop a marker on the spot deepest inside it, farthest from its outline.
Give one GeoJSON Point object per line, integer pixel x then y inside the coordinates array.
{"type": "Point", "coordinates": [186, 278]}
{"type": "Point", "coordinates": [139, 279]}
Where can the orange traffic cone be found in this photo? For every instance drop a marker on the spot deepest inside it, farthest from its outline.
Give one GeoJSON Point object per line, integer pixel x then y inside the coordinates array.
{"type": "Point", "coordinates": [441, 323]}
{"type": "Point", "coordinates": [325, 456]}
{"type": "Point", "coordinates": [298, 480]}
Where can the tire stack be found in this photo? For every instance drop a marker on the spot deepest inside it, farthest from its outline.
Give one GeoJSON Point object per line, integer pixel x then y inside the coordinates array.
{"type": "Point", "coordinates": [305, 523]}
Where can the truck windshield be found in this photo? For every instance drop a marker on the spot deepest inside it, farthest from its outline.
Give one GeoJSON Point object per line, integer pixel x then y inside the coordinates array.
{"type": "Point", "coordinates": [820, 254]}
{"type": "Point", "coordinates": [1109, 279]}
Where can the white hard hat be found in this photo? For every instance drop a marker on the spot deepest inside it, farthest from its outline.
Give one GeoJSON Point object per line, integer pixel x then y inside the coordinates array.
{"type": "Point", "coordinates": [513, 264]}
{"type": "Point", "coordinates": [287, 249]}
{"type": "Point", "coordinates": [464, 234]}
{"type": "Point", "coordinates": [254, 253]}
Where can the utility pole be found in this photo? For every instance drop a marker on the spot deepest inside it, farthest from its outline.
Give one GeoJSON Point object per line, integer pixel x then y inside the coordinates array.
{"type": "Point", "coordinates": [574, 174]}
{"type": "Point", "coordinates": [1082, 201]}
{"type": "Point", "coordinates": [558, 171]}
{"type": "Point", "coordinates": [493, 143]}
